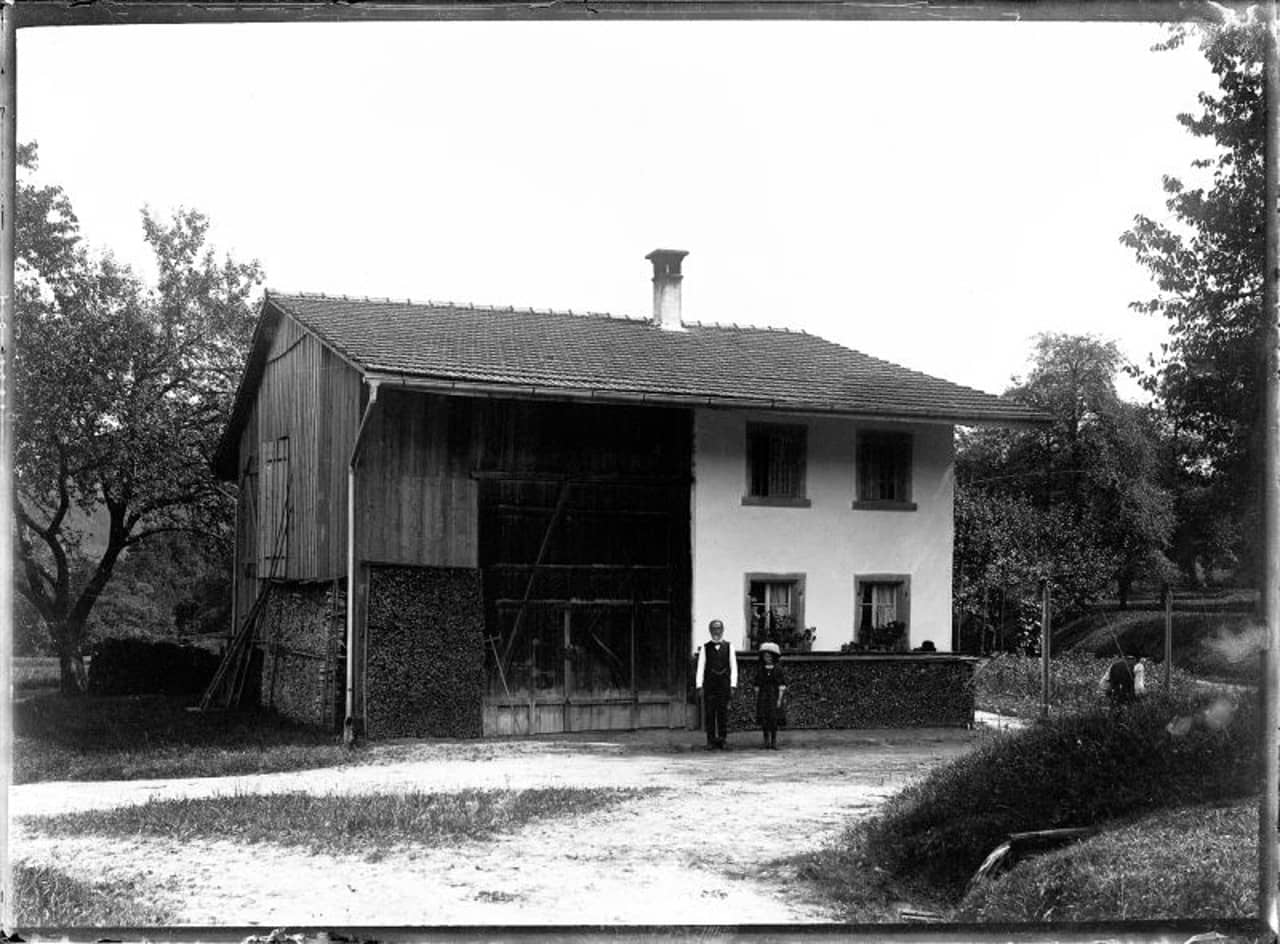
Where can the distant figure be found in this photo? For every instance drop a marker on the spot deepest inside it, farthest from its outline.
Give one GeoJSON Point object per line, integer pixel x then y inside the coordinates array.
{"type": "Point", "coordinates": [1120, 682]}
{"type": "Point", "coordinates": [770, 689]}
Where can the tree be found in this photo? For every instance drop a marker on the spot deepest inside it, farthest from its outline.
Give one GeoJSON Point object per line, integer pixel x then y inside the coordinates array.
{"type": "Point", "coordinates": [1094, 473]}
{"type": "Point", "coordinates": [1207, 263]}
{"type": "Point", "coordinates": [120, 394]}
{"type": "Point", "coordinates": [1005, 547]}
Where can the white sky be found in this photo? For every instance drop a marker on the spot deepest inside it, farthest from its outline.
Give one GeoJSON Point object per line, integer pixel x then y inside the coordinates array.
{"type": "Point", "coordinates": [930, 193]}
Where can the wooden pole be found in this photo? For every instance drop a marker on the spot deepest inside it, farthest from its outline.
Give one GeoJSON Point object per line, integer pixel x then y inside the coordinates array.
{"type": "Point", "coordinates": [567, 662]}
{"type": "Point", "coordinates": [1268, 814]}
{"type": "Point", "coordinates": [1046, 637]}
{"type": "Point", "coordinates": [8, 255]}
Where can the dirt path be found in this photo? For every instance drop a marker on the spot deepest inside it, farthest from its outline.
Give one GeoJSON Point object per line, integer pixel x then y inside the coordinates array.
{"type": "Point", "coordinates": [696, 852]}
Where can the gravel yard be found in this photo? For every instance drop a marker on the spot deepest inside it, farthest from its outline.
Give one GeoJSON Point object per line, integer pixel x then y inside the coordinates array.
{"type": "Point", "coordinates": [697, 852]}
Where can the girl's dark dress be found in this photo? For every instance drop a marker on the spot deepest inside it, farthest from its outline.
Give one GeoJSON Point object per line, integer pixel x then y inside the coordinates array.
{"type": "Point", "coordinates": [768, 680]}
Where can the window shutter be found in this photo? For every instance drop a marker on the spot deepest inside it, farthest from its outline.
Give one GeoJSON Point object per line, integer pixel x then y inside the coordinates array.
{"type": "Point", "coordinates": [273, 523]}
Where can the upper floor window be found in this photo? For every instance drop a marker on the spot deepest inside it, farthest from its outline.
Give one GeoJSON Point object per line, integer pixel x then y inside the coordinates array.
{"type": "Point", "coordinates": [884, 470]}
{"type": "Point", "coordinates": [776, 464]}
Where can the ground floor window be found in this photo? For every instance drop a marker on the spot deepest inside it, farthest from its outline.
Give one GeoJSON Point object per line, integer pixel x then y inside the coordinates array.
{"type": "Point", "coordinates": [881, 612]}
{"type": "Point", "coordinates": [775, 609]}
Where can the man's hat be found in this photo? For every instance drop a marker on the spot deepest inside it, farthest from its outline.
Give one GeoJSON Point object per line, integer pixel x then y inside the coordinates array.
{"type": "Point", "coordinates": [771, 647]}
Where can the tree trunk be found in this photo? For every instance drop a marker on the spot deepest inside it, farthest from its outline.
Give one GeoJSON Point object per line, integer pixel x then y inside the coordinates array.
{"type": "Point", "coordinates": [1123, 586]}
{"type": "Point", "coordinates": [73, 680]}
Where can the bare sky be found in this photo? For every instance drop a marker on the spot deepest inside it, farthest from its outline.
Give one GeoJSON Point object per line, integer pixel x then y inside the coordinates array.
{"type": "Point", "coordinates": [930, 193]}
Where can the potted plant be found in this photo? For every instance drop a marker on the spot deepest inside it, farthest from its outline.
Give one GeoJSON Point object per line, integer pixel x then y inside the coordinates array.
{"type": "Point", "coordinates": [889, 637]}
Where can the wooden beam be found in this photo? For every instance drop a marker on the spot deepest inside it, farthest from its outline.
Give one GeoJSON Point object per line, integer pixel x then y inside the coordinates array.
{"type": "Point", "coordinates": [552, 478]}
{"type": "Point", "coordinates": [542, 510]}
{"type": "Point", "coordinates": [607, 568]}
{"type": "Point", "coordinates": [618, 602]}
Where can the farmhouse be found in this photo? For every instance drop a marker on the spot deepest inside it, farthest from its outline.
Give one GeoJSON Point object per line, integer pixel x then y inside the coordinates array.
{"type": "Point", "coordinates": [471, 521]}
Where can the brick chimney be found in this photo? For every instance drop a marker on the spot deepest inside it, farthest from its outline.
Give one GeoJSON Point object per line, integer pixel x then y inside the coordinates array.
{"type": "Point", "coordinates": [666, 288]}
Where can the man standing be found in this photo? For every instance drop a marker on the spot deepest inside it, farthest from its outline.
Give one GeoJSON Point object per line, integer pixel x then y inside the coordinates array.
{"type": "Point", "coordinates": [716, 678]}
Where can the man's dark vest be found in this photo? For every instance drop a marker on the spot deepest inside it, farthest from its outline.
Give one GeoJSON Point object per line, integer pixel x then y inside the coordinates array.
{"type": "Point", "coordinates": [715, 671]}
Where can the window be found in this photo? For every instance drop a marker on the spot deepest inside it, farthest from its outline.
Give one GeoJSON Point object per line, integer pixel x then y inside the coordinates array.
{"type": "Point", "coordinates": [881, 612]}
{"type": "Point", "coordinates": [775, 609]}
{"type": "Point", "coordinates": [775, 464]}
{"type": "Point", "coordinates": [884, 470]}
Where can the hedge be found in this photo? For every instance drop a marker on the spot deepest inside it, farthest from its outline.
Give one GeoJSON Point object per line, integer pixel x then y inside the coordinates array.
{"type": "Point", "coordinates": [145, 667]}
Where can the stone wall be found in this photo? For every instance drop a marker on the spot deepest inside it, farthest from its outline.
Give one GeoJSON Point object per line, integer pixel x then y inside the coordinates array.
{"type": "Point", "coordinates": [301, 641]}
{"type": "Point", "coordinates": [425, 675]}
{"type": "Point", "coordinates": [834, 690]}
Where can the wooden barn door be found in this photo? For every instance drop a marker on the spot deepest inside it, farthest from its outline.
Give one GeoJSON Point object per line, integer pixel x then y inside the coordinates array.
{"type": "Point", "coordinates": [582, 578]}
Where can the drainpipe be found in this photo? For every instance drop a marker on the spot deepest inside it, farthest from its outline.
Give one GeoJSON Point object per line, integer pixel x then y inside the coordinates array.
{"type": "Point", "coordinates": [350, 728]}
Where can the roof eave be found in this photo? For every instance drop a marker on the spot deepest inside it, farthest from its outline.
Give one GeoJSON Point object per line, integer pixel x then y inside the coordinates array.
{"type": "Point", "coordinates": [462, 387]}
{"type": "Point", "coordinates": [226, 455]}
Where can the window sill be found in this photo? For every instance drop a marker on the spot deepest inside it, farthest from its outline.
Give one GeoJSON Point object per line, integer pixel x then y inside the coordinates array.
{"type": "Point", "coordinates": [884, 506]}
{"type": "Point", "coordinates": [775, 501]}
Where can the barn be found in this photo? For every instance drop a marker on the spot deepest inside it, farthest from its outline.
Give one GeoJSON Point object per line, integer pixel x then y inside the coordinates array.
{"type": "Point", "coordinates": [464, 521]}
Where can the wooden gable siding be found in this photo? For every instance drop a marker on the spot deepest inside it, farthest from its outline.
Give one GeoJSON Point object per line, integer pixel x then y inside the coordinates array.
{"type": "Point", "coordinates": [342, 395]}
{"type": "Point", "coordinates": [286, 407]}
{"type": "Point", "coordinates": [416, 495]}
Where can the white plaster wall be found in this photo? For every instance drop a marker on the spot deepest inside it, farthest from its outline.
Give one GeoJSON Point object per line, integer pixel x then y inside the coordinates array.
{"type": "Point", "coordinates": [829, 541]}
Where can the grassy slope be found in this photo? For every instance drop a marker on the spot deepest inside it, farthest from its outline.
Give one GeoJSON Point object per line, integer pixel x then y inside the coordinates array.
{"type": "Point", "coordinates": [1196, 862]}
{"type": "Point", "coordinates": [1091, 769]}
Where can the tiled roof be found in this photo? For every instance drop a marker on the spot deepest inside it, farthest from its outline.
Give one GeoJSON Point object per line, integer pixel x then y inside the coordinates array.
{"type": "Point", "coordinates": [603, 355]}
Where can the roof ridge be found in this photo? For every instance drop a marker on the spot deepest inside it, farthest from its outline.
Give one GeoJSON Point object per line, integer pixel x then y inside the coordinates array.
{"type": "Point", "coordinates": [529, 310]}
{"type": "Point", "coordinates": [734, 326]}
{"type": "Point", "coordinates": [454, 305]}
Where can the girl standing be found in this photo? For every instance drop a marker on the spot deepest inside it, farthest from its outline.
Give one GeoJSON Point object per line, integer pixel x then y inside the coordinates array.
{"type": "Point", "coordinates": [770, 688]}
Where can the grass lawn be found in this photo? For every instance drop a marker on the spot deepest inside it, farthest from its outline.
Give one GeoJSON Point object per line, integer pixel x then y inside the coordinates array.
{"type": "Point", "coordinates": [45, 897]}
{"type": "Point", "coordinates": [1211, 642]}
{"type": "Point", "coordinates": [339, 823]}
{"type": "Point", "coordinates": [1009, 683]}
{"type": "Point", "coordinates": [36, 673]}
{"type": "Point", "coordinates": [145, 736]}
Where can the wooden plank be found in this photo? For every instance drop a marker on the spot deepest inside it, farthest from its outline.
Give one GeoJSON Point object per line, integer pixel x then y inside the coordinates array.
{"type": "Point", "coordinates": [653, 715]}
{"type": "Point", "coordinates": [511, 603]}
{"type": "Point", "coordinates": [605, 568]}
